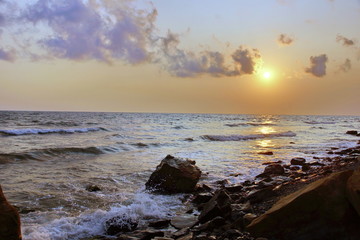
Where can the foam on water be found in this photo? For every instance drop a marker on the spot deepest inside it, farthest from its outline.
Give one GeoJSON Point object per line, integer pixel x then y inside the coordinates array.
{"type": "Point", "coordinates": [144, 206]}
{"type": "Point", "coordinates": [247, 137]}
{"type": "Point", "coordinates": [29, 131]}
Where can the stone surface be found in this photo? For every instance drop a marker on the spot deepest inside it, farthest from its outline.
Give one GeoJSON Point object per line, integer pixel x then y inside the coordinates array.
{"type": "Point", "coordinates": [298, 161]}
{"type": "Point", "coordinates": [352, 132]}
{"type": "Point", "coordinates": [160, 224]}
{"type": "Point", "coordinates": [266, 153]}
{"type": "Point", "coordinates": [317, 211]}
{"type": "Point", "coordinates": [219, 205]}
{"type": "Point", "coordinates": [9, 220]}
{"type": "Point", "coordinates": [183, 221]}
{"type": "Point", "coordinates": [92, 188]}
{"type": "Point", "coordinates": [272, 169]}
{"type": "Point", "coordinates": [120, 224]}
{"type": "Point", "coordinates": [353, 190]}
{"type": "Point", "coordinates": [174, 175]}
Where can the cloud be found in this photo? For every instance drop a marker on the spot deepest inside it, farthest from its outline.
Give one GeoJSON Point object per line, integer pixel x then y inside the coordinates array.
{"type": "Point", "coordinates": [345, 41]}
{"type": "Point", "coordinates": [283, 39]}
{"type": "Point", "coordinates": [318, 65]}
{"type": "Point", "coordinates": [346, 66]}
{"type": "Point", "coordinates": [108, 31]}
{"type": "Point", "coordinates": [7, 55]}
{"type": "Point", "coordinates": [182, 63]}
{"type": "Point", "coordinates": [105, 31]}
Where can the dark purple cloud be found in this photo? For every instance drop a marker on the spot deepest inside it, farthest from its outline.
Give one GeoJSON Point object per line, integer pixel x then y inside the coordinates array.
{"type": "Point", "coordinates": [283, 39]}
{"type": "Point", "coordinates": [318, 65]}
{"type": "Point", "coordinates": [182, 63]}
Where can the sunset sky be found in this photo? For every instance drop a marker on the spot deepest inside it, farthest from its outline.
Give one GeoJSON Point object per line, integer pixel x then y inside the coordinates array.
{"type": "Point", "coordinates": [203, 56]}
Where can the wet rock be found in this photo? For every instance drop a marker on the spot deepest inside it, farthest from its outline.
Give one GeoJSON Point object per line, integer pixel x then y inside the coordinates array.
{"type": "Point", "coordinates": [298, 161]}
{"type": "Point", "coordinates": [294, 168]}
{"type": "Point", "coordinates": [92, 188]}
{"type": "Point", "coordinates": [234, 188]}
{"type": "Point", "coordinates": [189, 236]}
{"type": "Point", "coordinates": [352, 132]}
{"type": "Point", "coordinates": [183, 221]}
{"type": "Point", "coordinates": [189, 139]}
{"type": "Point", "coordinates": [203, 188]}
{"type": "Point", "coordinates": [141, 235]}
{"type": "Point", "coordinates": [317, 211]}
{"type": "Point", "coordinates": [272, 169]}
{"type": "Point", "coordinates": [120, 224]}
{"type": "Point", "coordinates": [266, 153]}
{"type": "Point", "coordinates": [305, 167]}
{"type": "Point", "coordinates": [222, 182]}
{"type": "Point", "coordinates": [160, 224]}
{"type": "Point", "coordinates": [174, 175]}
{"type": "Point", "coordinates": [219, 205]}
{"type": "Point", "coordinates": [9, 220]}
{"type": "Point", "coordinates": [202, 198]}
{"type": "Point", "coordinates": [212, 224]}
{"type": "Point", "coordinates": [256, 196]}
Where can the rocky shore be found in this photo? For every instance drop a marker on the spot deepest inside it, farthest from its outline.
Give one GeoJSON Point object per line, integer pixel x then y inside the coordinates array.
{"type": "Point", "coordinates": [306, 199]}
{"type": "Point", "coordinates": [317, 199]}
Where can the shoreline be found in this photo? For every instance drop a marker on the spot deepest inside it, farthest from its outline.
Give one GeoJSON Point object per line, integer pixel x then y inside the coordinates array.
{"type": "Point", "coordinates": [252, 198]}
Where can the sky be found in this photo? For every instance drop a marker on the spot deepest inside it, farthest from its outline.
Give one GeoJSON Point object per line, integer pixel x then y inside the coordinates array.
{"type": "Point", "coordinates": [206, 56]}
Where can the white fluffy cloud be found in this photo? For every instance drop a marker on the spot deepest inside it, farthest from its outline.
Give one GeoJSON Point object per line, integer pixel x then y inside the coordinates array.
{"type": "Point", "coordinates": [317, 65]}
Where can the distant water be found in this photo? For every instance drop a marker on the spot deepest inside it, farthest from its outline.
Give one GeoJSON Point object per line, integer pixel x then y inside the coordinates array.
{"type": "Point", "coordinates": [48, 158]}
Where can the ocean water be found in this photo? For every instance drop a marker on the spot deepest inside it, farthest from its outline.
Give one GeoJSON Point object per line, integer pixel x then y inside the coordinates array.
{"type": "Point", "coordinates": [48, 158]}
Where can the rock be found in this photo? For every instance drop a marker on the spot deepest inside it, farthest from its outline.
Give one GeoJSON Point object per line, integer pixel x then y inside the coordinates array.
{"type": "Point", "coordinates": [120, 224]}
{"type": "Point", "coordinates": [141, 235]}
{"type": "Point", "coordinates": [219, 205]}
{"type": "Point", "coordinates": [174, 175]}
{"type": "Point", "coordinates": [234, 188]}
{"type": "Point", "coordinates": [352, 132]}
{"type": "Point", "coordinates": [266, 153]}
{"type": "Point", "coordinates": [248, 218]}
{"type": "Point", "coordinates": [272, 169]}
{"type": "Point", "coordinates": [212, 224]}
{"type": "Point", "coordinates": [189, 236]}
{"type": "Point", "coordinates": [353, 190]}
{"type": "Point", "coordinates": [183, 221]}
{"type": "Point", "coordinates": [203, 188]}
{"type": "Point", "coordinates": [160, 224]}
{"type": "Point", "coordinates": [9, 220]}
{"type": "Point", "coordinates": [305, 167]}
{"type": "Point", "coordinates": [298, 161]}
{"type": "Point", "coordinates": [317, 211]}
{"type": "Point", "coordinates": [222, 182]}
{"type": "Point", "coordinates": [268, 163]}
{"type": "Point", "coordinates": [92, 188]}
{"type": "Point", "coordinates": [202, 198]}
{"type": "Point", "coordinates": [256, 196]}
{"type": "Point", "coordinates": [189, 139]}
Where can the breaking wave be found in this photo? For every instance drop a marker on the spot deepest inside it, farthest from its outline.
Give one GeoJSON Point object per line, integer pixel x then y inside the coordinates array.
{"type": "Point", "coordinates": [249, 124]}
{"type": "Point", "coordinates": [247, 137]}
{"type": "Point", "coordinates": [30, 131]}
{"type": "Point", "coordinates": [316, 122]}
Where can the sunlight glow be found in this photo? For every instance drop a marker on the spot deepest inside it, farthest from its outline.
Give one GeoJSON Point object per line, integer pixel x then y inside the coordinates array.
{"type": "Point", "coordinates": [267, 75]}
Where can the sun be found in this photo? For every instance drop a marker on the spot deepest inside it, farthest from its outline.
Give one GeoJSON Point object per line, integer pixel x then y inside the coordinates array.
{"type": "Point", "coordinates": [267, 75]}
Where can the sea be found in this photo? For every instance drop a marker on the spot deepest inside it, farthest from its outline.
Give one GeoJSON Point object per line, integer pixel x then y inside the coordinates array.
{"type": "Point", "coordinates": [47, 159]}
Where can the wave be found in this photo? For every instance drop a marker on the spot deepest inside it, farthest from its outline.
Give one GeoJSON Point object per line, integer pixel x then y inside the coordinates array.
{"type": "Point", "coordinates": [247, 137]}
{"type": "Point", "coordinates": [317, 122]}
{"type": "Point", "coordinates": [249, 124]}
{"type": "Point", "coordinates": [41, 154]}
{"type": "Point", "coordinates": [31, 131]}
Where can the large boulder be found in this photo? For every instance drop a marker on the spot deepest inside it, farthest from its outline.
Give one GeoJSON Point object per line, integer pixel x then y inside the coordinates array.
{"type": "Point", "coordinates": [317, 211]}
{"type": "Point", "coordinates": [174, 175]}
{"type": "Point", "coordinates": [120, 224]}
{"type": "Point", "coordinates": [9, 220]}
{"type": "Point", "coordinates": [353, 190]}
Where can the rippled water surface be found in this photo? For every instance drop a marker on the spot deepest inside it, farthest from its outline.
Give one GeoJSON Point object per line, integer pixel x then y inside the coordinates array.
{"type": "Point", "coordinates": [48, 158]}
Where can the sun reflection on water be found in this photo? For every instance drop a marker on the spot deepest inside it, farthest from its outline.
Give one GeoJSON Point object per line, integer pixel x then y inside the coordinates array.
{"type": "Point", "coordinates": [266, 130]}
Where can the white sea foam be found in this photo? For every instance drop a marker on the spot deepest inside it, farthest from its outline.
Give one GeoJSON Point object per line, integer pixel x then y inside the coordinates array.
{"type": "Point", "coordinates": [144, 206]}
{"type": "Point", "coordinates": [247, 137]}
{"type": "Point", "coordinates": [250, 124]}
{"type": "Point", "coordinates": [28, 131]}
{"type": "Point", "coordinates": [318, 122]}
